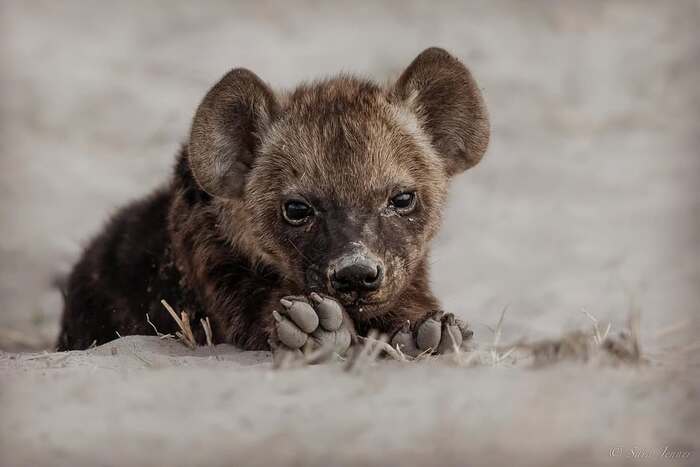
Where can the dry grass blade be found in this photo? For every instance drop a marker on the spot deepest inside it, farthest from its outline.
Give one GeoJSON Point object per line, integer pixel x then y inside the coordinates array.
{"type": "Point", "coordinates": [633, 325]}
{"type": "Point", "coordinates": [185, 334]}
{"type": "Point", "coordinates": [206, 325]}
{"type": "Point", "coordinates": [471, 358]}
{"type": "Point", "coordinates": [495, 357]}
{"type": "Point", "coordinates": [139, 357]}
{"type": "Point", "coordinates": [377, 346]}
{"type": "Point", "coordinates": [596, 332]}
{"type": "Point", "coordinates": [320, 355]}
{"type": "Point", "coordinates": [596, 347]}
{"type": "Point", "coordinates": [172, 313]}
{"type": "Point", "coordinates": [383, 346]}
{"type": "Point", "coordinates": [368, 353]}
{"type": "Point", "coordinates": [499, 327]}
{"type": "Point", "coordinates": [158, 333]}
{"type": "Point", "coordinates": [507, 354]}
{"type": "Point", "coordinates": [427, 353]}
{"type": "Point", "coordinates": [187, 329]}
{"type": "Point", "coordinates": [356, 356]}
{"type": "Point", "coordinates": [598, 337]}
{"type": "Point", "coordinates": [402, 356]}
{"type": "Point", "coordinates": [284, 360]}
{"type": "Point", "coordinates": [456, 352]}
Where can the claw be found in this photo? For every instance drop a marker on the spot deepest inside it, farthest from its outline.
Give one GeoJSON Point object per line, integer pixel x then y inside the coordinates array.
{"type": "Point", "coordinates": [316, 298]}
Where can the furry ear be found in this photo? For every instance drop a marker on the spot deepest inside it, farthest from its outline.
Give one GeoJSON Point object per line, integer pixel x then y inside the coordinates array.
{"type": "Point", "coordinates": [226, 132]}
{"type": "Point", "coordinates": [449, 105]}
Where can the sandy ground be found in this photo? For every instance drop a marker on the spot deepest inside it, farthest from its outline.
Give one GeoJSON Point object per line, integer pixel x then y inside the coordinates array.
{"type": "Point", "coordinates": [587, 199]}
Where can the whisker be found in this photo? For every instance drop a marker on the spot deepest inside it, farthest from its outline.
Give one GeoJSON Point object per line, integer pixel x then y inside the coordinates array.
{"type": "Point", "coordinates": [298, 250]}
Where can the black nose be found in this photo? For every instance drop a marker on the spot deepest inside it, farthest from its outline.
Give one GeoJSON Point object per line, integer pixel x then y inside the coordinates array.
{"type": "Point", "coordinates": [356, 274]}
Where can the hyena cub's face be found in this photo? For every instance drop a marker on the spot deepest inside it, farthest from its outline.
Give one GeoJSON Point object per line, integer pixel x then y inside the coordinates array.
{"type": "Point", "coordinates": [349, 191]}
{"type": "Point", "coordinates": [340, 183]}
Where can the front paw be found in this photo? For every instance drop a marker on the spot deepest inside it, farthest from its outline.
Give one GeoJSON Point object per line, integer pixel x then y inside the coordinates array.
{"type": "Point", "coordinates": [315, 323]}
{"type": "Point", "coordinates": [437, 334]}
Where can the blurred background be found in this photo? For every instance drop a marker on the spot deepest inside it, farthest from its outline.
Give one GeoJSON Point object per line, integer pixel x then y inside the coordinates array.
{"type": "Point", "coordinates": [588, 197]}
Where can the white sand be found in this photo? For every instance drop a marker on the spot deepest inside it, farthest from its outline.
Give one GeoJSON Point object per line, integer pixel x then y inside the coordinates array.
{"type": "Point", "coordinates": [152, 402]}
{"type": "Point", "coordinates": [588, 198]}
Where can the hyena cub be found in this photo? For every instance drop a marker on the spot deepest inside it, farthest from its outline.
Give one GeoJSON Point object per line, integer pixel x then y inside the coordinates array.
{"type": "Point", "coordinates": [294, 218]}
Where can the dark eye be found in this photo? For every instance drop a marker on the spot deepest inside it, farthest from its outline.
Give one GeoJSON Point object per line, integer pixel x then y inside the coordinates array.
{"type": "Point", "coordinates": [297, 212]}
{"type": "Point", "coordinates": [404, 202]}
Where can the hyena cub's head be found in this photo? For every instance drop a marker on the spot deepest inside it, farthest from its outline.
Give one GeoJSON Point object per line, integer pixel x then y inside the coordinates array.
{"type": "Point", "coordinates": [340, 184]}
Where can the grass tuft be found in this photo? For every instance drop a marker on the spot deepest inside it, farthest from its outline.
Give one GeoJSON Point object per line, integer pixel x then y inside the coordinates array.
{"type": "Point", "coordinates": [185, 334]}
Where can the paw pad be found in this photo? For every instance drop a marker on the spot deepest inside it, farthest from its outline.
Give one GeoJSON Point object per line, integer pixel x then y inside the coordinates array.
{"type": "Point", "coordinates": [318, 321]}
{"type": "Point", "coordinates": [440, 334]}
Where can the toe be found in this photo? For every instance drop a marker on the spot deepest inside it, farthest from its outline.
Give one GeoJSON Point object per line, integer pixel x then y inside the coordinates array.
{"type": "Point", "coordinates": [428, 334]}
{"type": "Point", "coordinates": [288, 333]}
{"type": "Point", "coordinates": [404, 341]}
{"type": "Point", "coordinates": [464, 329]}
{"type": "Point", "coordinates": [451, 338]}
{"type": "Point", "coordinates": [301, 313]}
{"type": "Point", "coordinates": [330, 312]}
{"type": "Point", "coordinates": [339, 341]}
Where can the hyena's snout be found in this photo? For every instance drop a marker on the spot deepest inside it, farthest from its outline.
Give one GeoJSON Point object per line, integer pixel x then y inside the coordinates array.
{"type": "Point", "coordinates": [359, 271]}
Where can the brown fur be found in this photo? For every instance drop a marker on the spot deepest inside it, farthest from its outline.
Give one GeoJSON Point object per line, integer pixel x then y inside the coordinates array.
{"type": "Point", "coordinates": [343, 145]}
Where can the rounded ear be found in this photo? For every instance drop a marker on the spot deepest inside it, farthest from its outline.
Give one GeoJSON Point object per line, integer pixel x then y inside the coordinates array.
{"type": "Point", "coordinates": [226, 132]}
{"type": "Point", "coordinates": [444, 95]}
